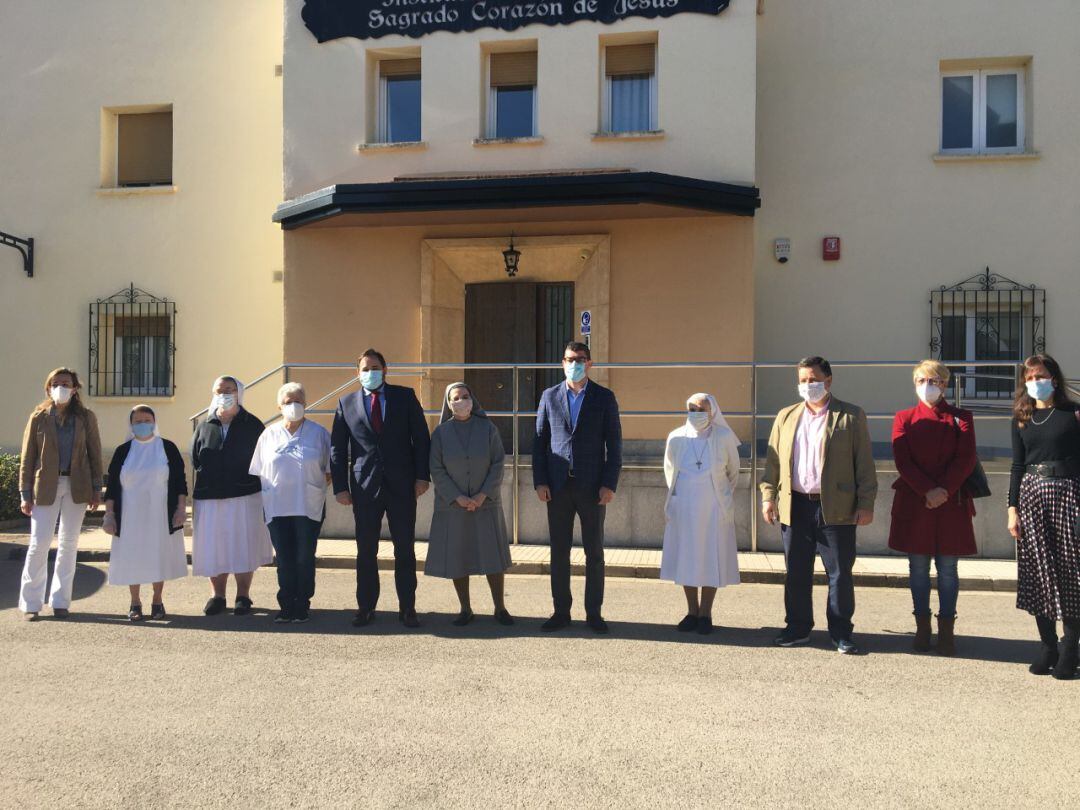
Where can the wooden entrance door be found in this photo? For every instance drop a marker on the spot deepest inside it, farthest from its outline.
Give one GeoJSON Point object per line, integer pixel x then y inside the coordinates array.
{"type": "Point", "coordinates": [514, 322]}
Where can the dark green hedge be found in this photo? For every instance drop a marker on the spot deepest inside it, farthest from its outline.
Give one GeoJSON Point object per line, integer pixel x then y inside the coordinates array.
{"type": "Point", "coordinates": [9, 487]}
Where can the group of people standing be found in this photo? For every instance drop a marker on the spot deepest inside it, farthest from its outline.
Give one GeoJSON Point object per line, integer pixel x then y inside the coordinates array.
{"type": "Point", "coordinates": [259, 493]}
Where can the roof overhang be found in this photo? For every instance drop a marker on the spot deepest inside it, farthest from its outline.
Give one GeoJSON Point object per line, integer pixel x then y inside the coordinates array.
{"type": "Point", "coordinates": [673, 194]}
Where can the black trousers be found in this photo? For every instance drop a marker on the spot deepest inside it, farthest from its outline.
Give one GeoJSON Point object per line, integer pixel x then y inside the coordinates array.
{"type": "Point", "coordinates": [807, 536]}
{"type": "Point", "coordinates": [400, 512]}
{"type": "Point", "coordinates": [583, 502]}
{"type": "Point", "coordinates": [294, 540]}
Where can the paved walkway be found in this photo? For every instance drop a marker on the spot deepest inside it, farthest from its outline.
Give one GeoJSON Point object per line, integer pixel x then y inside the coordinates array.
{"type": "Point", "coordinates": [763, 567]}
{"type": "Point", "coordinates": [238, 712]}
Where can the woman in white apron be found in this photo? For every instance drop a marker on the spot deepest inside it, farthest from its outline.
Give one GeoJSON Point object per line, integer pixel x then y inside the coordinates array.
{"type": "Point", "coordinates": [701, 466]}
{"type": "Point", "coordinates": [144, 511]}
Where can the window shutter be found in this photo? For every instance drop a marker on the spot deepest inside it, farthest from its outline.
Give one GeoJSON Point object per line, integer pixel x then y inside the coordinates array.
{"type": "Point", "coordinates": [399, 67]}
{"type": "Point", "coordinates": [630, 60]}
{"type": "Point", "coordinates": [144, 149]}
{"type": "Point", "coordinates": [513, 69]}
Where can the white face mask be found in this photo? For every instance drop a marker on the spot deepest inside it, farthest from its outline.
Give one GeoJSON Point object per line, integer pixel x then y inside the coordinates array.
{"type": "Point", "coordinates": [225, 402]}
{"type": "Point", "coordinates": [928, 393]}
{"type": "Point", "coordinates": [699, 420]}
{"type": "Point", "coordinates": [60, 394]}
{"type": "Point", "coordinates": [461, 407]}
{"type": "Point", "coordinates": [812, 391]}
{"type": "Point", "coordinates": [293, 412]}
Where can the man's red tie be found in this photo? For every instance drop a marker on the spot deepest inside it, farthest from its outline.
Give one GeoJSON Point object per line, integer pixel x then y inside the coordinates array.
{"type": "Point", "coordinates": [376, 413]}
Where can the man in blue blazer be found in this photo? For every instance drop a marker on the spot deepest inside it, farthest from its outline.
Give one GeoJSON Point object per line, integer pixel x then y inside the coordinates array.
{"type": "Point", "coordinates": [576, 461]}
{"type": "Point", "coordinates": [379, 464]}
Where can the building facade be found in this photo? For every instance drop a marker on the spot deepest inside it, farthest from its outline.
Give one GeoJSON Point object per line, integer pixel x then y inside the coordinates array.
{"type": "Point", "coordinates": [345, 174]}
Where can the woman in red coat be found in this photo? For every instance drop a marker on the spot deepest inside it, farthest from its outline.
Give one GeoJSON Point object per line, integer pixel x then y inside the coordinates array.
{"type": "Point", "coordinates": [934, 449]}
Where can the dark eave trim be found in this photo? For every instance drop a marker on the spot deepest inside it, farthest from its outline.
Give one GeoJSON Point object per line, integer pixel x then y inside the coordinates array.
{"type": "Point", "coordinates": [543, 191]}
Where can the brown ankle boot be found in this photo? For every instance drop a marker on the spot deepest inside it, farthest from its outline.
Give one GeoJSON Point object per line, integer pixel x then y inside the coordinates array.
{"type": "Point", "coordinates": [946, 641]}
{"type": "Point", "coordinates": [922, 633]}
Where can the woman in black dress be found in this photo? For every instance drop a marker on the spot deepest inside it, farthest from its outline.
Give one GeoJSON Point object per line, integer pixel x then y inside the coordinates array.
{"type": "Point", "coordinates": [1044, 505]}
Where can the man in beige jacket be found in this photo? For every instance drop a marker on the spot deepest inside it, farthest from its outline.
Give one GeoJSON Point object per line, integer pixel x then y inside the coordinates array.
{"type": "Point", "coordinates": [819, 484]}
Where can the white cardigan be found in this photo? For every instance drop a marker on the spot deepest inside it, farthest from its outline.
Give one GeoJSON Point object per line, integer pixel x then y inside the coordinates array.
{"type": "Point", "coordinates": [724, 451]}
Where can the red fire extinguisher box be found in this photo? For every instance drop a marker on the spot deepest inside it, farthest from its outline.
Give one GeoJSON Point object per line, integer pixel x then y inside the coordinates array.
{"type": "Point", "coordinates": [830, 248]}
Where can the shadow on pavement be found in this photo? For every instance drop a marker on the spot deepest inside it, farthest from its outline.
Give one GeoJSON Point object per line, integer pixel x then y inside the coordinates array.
{"type": "Point", "coordinates": [437, 625]}
{"type": "Point", "coordinates": [88, 579]}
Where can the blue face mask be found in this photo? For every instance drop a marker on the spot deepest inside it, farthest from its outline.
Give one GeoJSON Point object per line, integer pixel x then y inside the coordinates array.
{"type": "Point", "coordinates": [1040, 389]}
{"type": "Point", "coordinates": [371, 380]}
{"type": "Point", "coordinates": [575, 372]}
{"type": "Point", "coordinates": [143, 430]}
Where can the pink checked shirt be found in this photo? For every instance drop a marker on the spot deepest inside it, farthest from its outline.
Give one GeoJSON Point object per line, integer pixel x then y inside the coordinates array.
{"type": "Point", "coordinates": [808, 454]}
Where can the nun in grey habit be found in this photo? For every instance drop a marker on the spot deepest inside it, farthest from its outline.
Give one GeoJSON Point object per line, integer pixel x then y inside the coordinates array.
{"type": "Point", "coordinates": [468, 529]}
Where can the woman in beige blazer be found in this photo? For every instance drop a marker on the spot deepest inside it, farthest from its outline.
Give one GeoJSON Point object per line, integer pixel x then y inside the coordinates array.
{"type": "Point", "coordinates": [59, 475]}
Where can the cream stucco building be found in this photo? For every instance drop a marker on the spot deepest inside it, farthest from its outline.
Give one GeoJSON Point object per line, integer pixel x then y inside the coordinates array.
{"type": "Point", "coordinates": [644, 166]}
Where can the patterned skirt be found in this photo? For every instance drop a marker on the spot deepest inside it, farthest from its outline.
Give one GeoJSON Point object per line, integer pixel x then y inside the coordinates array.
{"type": "Point", "coordinates": [1048, 553]}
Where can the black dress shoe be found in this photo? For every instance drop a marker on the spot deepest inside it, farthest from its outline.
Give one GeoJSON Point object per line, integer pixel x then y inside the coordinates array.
{"type": "Point", "coordinates": [463, 618]}
{"type": "Point", "coordinates": [157, 611]}
{"type": "Point", "coordinates": [284, 617]}
{"type": "Point", "coordinates": [214, 605]}
{"type": "Point", "coordinates": [503, 617]}
{"type": "Point", "coordinates": [363, 618]}
{"type": "Point", "coordinates": [242, 606]}
{"type": "Point", "coordinates": [704, 625]}
{"type": "Point", "coordinates": [688, 623]}
{"type": "Point", "coordinates": [558, 621]}
{"type": "Point", "coordinates": [135, 613]}
{"type": "Point", "coordinates": [409, 618]}
{"type": "Point", "coordinates": [301, 616]}
{"type": "Point", "coordinates": [597, 625]}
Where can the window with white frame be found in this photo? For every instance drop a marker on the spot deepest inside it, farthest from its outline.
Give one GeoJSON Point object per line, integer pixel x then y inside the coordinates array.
{"type": "Point", "coordinates": [629, 99]}
{"type": "Point", "coordinates": [982, 111]}
{"type": "Point", "coordinates": [511, 109]}
{"type": "Point", "coordinates": [399, 101]}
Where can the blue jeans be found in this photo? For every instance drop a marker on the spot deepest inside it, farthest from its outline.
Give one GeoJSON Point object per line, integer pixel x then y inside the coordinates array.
{"type": "Point", "coordinates": [294, 540]}
{"type": "Point", "coordinates": [948, 584]}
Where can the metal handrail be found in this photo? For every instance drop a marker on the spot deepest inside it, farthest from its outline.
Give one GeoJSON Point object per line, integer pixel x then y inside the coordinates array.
{"type": "Point", "coordinates": [422, 369]}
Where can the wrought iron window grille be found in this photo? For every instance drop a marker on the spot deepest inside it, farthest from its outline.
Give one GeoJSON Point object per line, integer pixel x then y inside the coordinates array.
{"type": "Point", "coordinates": [132, 345]}
{"type": "Point", "coordinates": [983, 318]}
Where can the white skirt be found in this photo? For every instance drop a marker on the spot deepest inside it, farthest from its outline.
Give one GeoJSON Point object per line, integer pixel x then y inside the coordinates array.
{"type": "Point", "coordinates": [700, 549]}
{"type": "Point", "coordinates": [230, 536]}
{"type": "Point", "coordinates": [145, 551]}
{"type": "Point", "coordinates": [141, 560]}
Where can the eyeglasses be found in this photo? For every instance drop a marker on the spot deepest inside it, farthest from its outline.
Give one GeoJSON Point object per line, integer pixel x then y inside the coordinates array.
{"type": "Point", "coordinates": [579, 359]}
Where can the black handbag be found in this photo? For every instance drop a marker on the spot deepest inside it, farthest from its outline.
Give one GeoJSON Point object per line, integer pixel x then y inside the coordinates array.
{"type": "Point", "coordinates": [976, 485]}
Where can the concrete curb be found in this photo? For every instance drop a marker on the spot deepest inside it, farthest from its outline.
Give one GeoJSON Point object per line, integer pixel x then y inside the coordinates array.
{"type": "Point", "coordinates": [863, 579]}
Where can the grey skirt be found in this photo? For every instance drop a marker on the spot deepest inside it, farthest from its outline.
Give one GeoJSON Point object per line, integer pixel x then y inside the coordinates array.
{"type": "Point", "coordinates": [463, 543]}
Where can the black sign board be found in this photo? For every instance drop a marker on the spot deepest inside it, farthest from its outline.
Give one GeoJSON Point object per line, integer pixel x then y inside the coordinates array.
{"type": "Point", "coordinates": [371, 19]}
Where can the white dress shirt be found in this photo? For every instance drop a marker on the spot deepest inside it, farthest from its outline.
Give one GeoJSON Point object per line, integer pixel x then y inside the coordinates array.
{"type": "Point", "coordinates": [293, 467]}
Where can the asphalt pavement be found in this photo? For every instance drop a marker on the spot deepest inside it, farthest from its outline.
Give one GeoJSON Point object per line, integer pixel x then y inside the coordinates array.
{"type": "Point", "coordinates": [238, 712]}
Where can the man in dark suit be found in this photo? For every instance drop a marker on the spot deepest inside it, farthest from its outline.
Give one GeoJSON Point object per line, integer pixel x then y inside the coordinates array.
{"type": "Point", "coordinates": [379, 464]}
{"type": "Point", "coordinates": [576, 462]}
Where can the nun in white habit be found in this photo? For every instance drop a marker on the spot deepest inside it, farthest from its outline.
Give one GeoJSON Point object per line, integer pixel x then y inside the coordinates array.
{"type": "Point", "coordinates": [145, 511]}
{"type": "Point", "coordinates": [701, 466]}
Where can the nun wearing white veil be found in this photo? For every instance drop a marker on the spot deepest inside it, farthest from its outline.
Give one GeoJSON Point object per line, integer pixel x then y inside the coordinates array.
{"type": "Point", "coordinates": [701, 466]}
{"type": "Point", "coordinates": [145, 511]}
{"type": "Point", "coordinates": [229, 533]}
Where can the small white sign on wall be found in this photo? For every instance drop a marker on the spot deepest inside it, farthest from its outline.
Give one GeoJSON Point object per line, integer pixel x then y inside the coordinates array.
{"type": "Point", "coordinates": [782, 250]}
